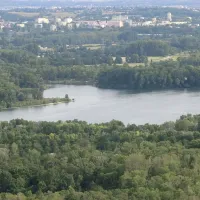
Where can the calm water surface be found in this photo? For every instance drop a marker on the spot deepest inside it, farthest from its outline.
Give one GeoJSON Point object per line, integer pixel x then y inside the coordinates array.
{"type": "Point", "coordinates": [97, 105]}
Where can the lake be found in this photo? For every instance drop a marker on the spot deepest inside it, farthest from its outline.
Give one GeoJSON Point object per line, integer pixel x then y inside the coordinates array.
{"type": "Point", "coordinates": [96, 105]}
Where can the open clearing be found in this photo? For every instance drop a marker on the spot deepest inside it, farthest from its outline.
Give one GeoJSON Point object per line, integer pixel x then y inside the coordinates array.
{"type": "Point", "coordinates": [157, 59]}
{"type": "Point", "coordinates": [173, 57]}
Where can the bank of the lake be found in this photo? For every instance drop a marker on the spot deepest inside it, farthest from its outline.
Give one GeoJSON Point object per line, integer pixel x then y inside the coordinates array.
{"type": "Point", "coordinates": [96, 105]}
{"type": "Point", "coordinates": [71, 82]}
{"type": "Point", "coordinates": [37, 102]}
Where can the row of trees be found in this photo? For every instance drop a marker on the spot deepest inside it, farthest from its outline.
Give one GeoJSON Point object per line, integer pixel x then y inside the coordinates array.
{"type": "Point", "coordinates": [135, 58]}
{"type": "Point", "coordinates": [162, 75]}
{"type": "Point", "coordinates": [148, 48]}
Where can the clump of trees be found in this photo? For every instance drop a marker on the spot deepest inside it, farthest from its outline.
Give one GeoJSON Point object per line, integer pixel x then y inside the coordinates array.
{"type": "Point", "coordinates": [148, 48]}
{"type": "Point", "coordinates": [135, 58]}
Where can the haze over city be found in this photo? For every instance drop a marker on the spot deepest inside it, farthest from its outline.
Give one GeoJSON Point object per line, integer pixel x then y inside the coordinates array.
{"type": "Point", "coordinates": [194, 3]}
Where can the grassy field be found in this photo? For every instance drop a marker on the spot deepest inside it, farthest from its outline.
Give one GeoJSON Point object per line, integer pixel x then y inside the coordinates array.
{"type": "Point", "coordinates": [135, 64]}
{"type": "Point", "coordinates": [25, 14]}
{"type": "Point", "coordinates": [173, 57]}
{"type": "Point", "coordinates": [150, 59]}
{"type": "Point", "coordinates": [160, 58]}
{"type": "Point", "coordinates": [156, 59]}
{"type": "Point", "coordinates": [95, 46]}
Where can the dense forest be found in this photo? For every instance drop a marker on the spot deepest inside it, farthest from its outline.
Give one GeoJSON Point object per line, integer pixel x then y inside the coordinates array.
{"type": "Point", "coordinates": [163, 75]}
{"type": "Point", "coordinates": [75, 160]}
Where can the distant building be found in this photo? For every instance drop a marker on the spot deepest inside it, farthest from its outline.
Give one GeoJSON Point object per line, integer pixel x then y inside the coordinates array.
{"type": "Point", "coordinates": [147, 23]}
{"type": "Point", "coordinates": [38, 25]}
{"type": "Point", "coordinates": [21, 25]}
{"type": "Point", "coordinates": [119, 18]}
{"type": "Point", "coordinates": [53, 28]}
{"type": "Point", "coordinates": [70, 26]}
{"type": "Point", "coordinates": [43, 21]}
{"type": "Point", "coordinates": [102, 24]}
{"type": "Point", "coordinates": [129, 22]}
{"type": "Point", "coordinates": [154, 20]}
{"type": "Point", "coordinates": [169, 16]}
{"type": "Point", "coordinates": [164, 23]}
{"type": "Point", "coordinates": [179, 23]}
{"type": "Point", "coordinates": [63, 23]}
{"type": "Point", "coordinates": [59, 23]}
{"type": "Point", "coordinates": [45, 49]}
{"type": "Point", "coordinates": [58, 20]}
{"type": "Point", "coordinates": [68, 20]}
{"type": "Point", "coordinates": [77, 25]}
{"type": "Point", "coordinates": [135, 24]}
{"type": "Point", "coordinates": [189, 19]}
{"type": "Point", "coordinates": [114, 24]}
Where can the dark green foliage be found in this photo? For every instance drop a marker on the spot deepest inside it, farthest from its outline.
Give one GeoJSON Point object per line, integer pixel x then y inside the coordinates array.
{"type": "Point", "coordinates": [163, 75]}
{"type": "Point", "coordinates": [193, 59]}
{"type": "Point", "coordinates": [118, 60]}
{"type": "Point", "coordinates": [148, 48]}
{"type": "Point", "coordinates": [18, 84]}
{"type": "Point", "coordinates": [135, 58]}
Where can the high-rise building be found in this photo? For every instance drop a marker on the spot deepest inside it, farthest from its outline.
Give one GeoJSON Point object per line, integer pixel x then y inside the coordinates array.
{"type": "Point", "coordinates": [169, 16]}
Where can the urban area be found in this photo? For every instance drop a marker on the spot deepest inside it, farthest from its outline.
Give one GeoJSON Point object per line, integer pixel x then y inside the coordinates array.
{"type": "Point", "coordinates": [59, 19]}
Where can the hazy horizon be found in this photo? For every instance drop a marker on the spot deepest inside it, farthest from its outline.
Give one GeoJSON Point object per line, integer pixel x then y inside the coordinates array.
{"type": "Point", "coordinates": [191, 3]}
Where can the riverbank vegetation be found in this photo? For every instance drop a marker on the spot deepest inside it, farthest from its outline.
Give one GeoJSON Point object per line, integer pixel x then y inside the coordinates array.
{"type": "Point", "coordinates": [76, 160]}
{"type": "Point", "coordinates": [22, 86]}
{"type": "Point", "coordinates": [40, 102]}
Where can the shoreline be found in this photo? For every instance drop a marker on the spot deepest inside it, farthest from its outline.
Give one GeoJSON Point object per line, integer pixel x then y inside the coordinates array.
{"type": "Point", "coordinates": [69, 82]}
{"type": "Point", "coordinates": [35, 105]}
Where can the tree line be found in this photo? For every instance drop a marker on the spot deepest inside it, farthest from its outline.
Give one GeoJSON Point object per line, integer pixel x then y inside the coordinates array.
{"type": "Point", "coordinates": [162, 75]}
